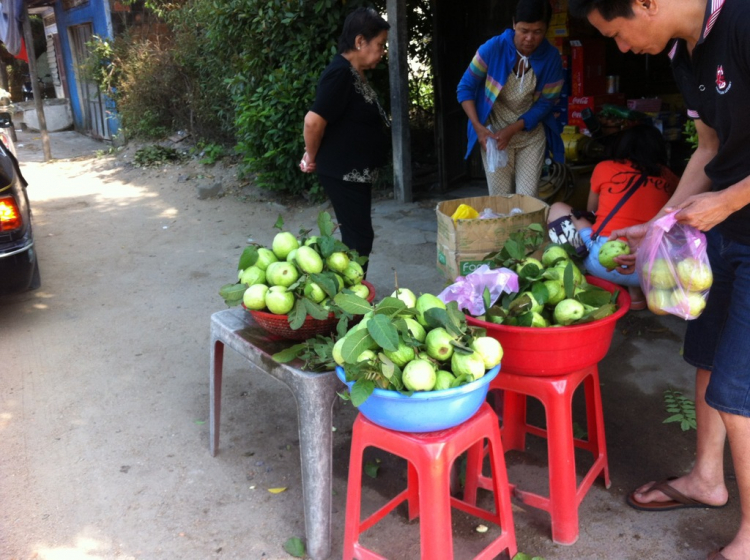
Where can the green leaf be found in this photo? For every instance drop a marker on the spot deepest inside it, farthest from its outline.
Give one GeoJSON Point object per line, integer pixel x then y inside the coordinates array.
{"type": "Point", "coordinates": [389, 306]}
{"type": "Point", "coordinates": [289, 354]}
{"type": "Point", "coordinates": [298, 315]}
{"type": "Point", "coordinates": [384, 332]}
{"type": "Point", "coordinates": [540, 292]}
{"type": "Point", "coordinates": [327, 283]}
{"type": "Point", "coordinates": [356, 343]}
{"type": "Point", "coordinates": [279, 223]}
{"type": "Point", "coordinates": [248, 257]}
{"type": "Point", "coordinates": [352, 304]}
{"type": "Point", "coordinates": [594, 296]}
{"type": "Point", "coordinates": [325, 224]}
{"type": "Point", "coordinates": [315, 310]}
{"type": "Point", "coordinates": [673, 418]}
{"type": "Point", "coordinates": [486, 298]}
{"type": "Point", "coordinates": [361, 391]}
{"type": "Point", "coordinates": [232, 293]}
{"type": "Point", "coordinates": [438, 317]}
{"type": "Point", "coordinates": [327, 245]}
{"type": "Point", "coordinates": [295, 547]}
{"type": "Point", "coordinates": [569, 281]}
{"type": "Point", "coordinates": [371, 469]}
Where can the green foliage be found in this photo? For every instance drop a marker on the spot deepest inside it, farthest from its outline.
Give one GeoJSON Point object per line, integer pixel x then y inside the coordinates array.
{"type": "Point", "coordinates": [295, 547]}
{"type": "Point", "coordinates": [690, 133]}
{"type": "Point", "coordinates": [285, 48]}
{"type": "Point", "coordinates": [681, 408]}
{"type": "Point", "coordinates": [244, 72]}
{"type": "Point", "coordinates": [210, 153]}
{"type": "Point", "coordinates": [151, 156]}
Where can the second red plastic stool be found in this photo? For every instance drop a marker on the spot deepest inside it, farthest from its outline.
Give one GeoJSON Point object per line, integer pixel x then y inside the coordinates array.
{"type": "Point", "coordinates": [430, 457]}
{"type": "Point", "coordinates": [556, 394]}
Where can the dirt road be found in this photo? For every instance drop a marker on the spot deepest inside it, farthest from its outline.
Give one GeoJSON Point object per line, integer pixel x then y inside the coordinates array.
{"type": "Point", "coordinates": [104, 389]}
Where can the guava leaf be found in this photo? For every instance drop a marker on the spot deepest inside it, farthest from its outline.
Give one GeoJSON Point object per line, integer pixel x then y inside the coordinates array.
{"type": "Point", "coordinates": [594, 296]}
{"type": "Point", "coordinates": [297, 315]}
{"type": "Point", "coordinates": [569, 281]}
{"type": "Point", "coordinates": [599, 313]}
{"type": "Point", "coordinates": [356, 343]}
{"type": "Point", "coordinates": [361, 391]}
{"type": "Point", "coordinates": [383, 332]}
{"type": "Point", "coordinates": [540, 292]}
{"type": "Point", "coordinates": [514, 249]}
{"type": "Point", "coordinates": [289, 354]}
{"type": "Point", "coordinates": [327, 245]}
{"type": "Point", "coordinates": [232, 293]}
{"type": "Point", "coordinates": [486, 298]}
{"type": "Point", "coordinates": [327, 283]}
{"type": "Point", "coordinates": [325, 224]}
{"type": "Point", "coordinates": [460, 380]}
{"type": "Point", "coordinates": [460, 348]}
{"type": "Point", "coordinates": [529, 271]}
{"type": "Point", "coordinates": [361, 260]}
{"type": "Point", "coordinates": [248, 257]}
{"type": "Point", "coordinates": [387, 367]}
{"type": "Point", "coordinates": [456, 317]}
{"type": "Point", "coordinates": [279, 223]}
{"type": "Point", "coordinates": [520, 305]}
{"type": "Point", "coordinates": [525, 319]}
{"type": "Point", "coordinates": [389, 306]}
{"type": "Point", "coordinates": [352, 304]}
{"type": "Point", "coordinates": [295, 547]}
{"type": "Point", "coordinates": [438, 317]}
{"type": "Point", "coordinates": [315, 310]}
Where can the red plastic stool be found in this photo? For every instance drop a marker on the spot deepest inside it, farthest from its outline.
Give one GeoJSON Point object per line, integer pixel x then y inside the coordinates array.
{"type": "Point", "coordinates": [556, 394]}
{"type": "Point", "coordinates": [430, 456]}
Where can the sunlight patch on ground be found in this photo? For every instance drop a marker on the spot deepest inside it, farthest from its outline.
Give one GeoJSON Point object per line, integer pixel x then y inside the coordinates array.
{"type": "Point", "coordinates": [84, 549]}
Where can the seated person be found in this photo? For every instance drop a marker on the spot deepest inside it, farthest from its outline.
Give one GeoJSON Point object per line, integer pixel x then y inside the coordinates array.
{"type": "Point", "coordinates": [639, 153]}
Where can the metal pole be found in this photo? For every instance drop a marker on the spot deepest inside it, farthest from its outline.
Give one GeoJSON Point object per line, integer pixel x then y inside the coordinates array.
{"type": "Point", "coordinates": [29, 39]}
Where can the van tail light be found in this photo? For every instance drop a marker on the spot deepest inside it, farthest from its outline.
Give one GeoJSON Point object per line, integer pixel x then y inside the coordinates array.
{"type": "Point", "coordinates": [10, 216]}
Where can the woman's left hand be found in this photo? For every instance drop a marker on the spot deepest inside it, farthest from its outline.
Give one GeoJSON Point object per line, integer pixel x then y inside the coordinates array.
{"type": "Point", "coordinates": [503, 138]}
{"type": "Point", "coordinates": [702, 211]}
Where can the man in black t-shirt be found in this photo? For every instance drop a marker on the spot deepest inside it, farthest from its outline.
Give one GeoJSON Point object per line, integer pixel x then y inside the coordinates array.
{"type": "Point", "coordinates": [709, 44]}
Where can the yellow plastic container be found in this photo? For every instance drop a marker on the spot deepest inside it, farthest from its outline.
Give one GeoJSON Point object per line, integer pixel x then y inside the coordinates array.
{"type": "Point", "coordinates": [464, 212]}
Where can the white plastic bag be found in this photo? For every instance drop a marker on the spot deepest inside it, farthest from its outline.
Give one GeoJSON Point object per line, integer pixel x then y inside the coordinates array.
{"type": "Point", "coordinates": [495, 158]}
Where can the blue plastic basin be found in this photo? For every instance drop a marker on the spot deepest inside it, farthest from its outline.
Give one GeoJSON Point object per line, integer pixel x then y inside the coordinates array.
{"type": "Point", "coordinates": [426, 411]}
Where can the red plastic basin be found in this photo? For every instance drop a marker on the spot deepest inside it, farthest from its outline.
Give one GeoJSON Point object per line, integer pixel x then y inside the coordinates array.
{"type": "Point", "coordinates": [557, 350]}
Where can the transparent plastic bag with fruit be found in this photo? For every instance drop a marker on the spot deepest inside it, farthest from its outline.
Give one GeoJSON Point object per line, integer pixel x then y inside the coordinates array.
{"type": "Point", "coordinates": [674, 270]}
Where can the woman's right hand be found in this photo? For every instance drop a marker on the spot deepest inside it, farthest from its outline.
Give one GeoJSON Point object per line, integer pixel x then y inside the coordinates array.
{"type": "Point", "coordinates": [634, 235]}
{"type": "Point", "coordinates": [307, 165]}
{"type": "Point", "coordinates": [483, 134]}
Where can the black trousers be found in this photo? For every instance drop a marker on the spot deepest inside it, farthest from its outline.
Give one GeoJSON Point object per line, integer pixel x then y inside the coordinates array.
{"type": "Point", "coordinates": [352, 203]}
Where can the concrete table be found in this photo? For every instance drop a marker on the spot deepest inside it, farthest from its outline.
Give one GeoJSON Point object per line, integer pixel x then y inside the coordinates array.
{"type": "Point", "coordinates": [314, 393]}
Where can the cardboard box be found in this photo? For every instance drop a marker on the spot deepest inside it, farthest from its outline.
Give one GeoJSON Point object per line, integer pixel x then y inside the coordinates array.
{"type": "Point", "coordinates": [464, 246]}
{"type": "Point", "coordinates": [588, 68]}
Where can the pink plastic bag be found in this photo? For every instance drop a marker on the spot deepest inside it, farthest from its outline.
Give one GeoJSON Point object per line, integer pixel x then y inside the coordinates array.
{"type": "Point", "coordinates": [674, 270]}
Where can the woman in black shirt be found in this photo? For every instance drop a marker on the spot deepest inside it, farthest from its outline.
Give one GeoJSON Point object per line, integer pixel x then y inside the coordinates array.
{"type": "Point", "coordinates": [345, 129]}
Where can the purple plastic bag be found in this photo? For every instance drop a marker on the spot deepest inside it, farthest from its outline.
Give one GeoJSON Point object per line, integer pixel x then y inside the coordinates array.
{"type": "Point", "coordinates": [468, 291]}
{"type": "Point", "coordinates": [673, 267]}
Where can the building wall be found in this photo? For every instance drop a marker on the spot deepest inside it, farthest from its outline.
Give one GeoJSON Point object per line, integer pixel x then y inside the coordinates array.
{"type": "Point", "coordinates": [71, 13]}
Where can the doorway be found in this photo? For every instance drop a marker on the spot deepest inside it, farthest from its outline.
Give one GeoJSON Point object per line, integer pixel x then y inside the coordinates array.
{"type": "Point", "coordinates": [95, 122]}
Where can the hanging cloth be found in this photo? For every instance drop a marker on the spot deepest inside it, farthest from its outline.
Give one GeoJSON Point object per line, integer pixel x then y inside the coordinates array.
{"type": "Point", "coordinates": [10, 26]}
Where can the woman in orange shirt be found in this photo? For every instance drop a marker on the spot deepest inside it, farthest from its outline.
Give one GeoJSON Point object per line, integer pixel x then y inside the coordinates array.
{"type": "Point", "coordinates": [639, 152]}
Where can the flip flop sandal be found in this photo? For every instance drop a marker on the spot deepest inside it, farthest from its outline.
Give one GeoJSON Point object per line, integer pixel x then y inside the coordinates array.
{"type": "Point", "coordinates": [678, 500]}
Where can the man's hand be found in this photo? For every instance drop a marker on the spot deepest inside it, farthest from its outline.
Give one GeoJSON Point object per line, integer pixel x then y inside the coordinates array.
{"type": "Point", "coordinates": [703, 211]}
{"type": "Point", "coordinates": [634, 235]}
